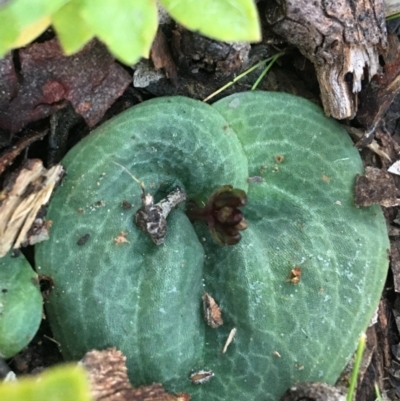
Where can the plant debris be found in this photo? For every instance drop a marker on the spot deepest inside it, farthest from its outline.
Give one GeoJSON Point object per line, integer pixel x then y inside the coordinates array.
{"type": "Point", "coordinates": [295, 275]}
{"type": "Point", "coordinates": [109, 380]}
{"type": "Point", "coordinates": [230, 338]}
{"type": "Point", "coordinates": [212, 312]}
{"type": "Point", "coordinates": [377, 186]}
{"type": "Point", "coordinates": [342, 39]}
{"type": "Point", "coordinates": [90, 80]}
{"type": "Point", "coordinates": [8, 156]}
{"type": "Point", "coordinates": [383, 88]}
{"type": "Point", "coordinates": [161, 56]}
{"type": "Point", "coordinates": [21, 200]}
{"type": "Point", "coordinates": [121, 238]}
{"type": "Point", "coordinates": [202, 376]}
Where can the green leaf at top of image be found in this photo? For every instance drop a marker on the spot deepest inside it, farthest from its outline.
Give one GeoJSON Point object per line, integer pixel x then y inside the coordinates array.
{"type": "Point", "coordinates": [298, 168]}
{"type": "Point", "coordinates": [72, 30]}
{"type": "Point", "coordinates": [23, 20]}
{"type": "Point", "coordinates": [20, 304]}
{"type": "Point", "coordinates": [227, 20]}
{"type": "Point", "coordinates": [61, 383]}
{"type": "Point", "coordinates": [27, 12]}
{"type": "Point", "coordinates": [127, 27]}
{"type": "Point", "coordinates": [8, 31]}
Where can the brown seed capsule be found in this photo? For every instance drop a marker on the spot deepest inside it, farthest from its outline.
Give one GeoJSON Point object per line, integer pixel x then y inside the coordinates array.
{"type": "Point", "coordinates": [212, 312]}
{"type": "Point", "coordinates": [202, 376]}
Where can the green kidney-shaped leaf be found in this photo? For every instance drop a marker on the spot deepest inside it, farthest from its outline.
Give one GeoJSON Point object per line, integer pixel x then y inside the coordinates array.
{"type": "Point", "coordinates": [127, 27]}
{"type": "Point", "coordinates": [146, 300]}
{"type": "Point", "coordinates": [20, 305]}
{"type": "Point", "coordinates": [233, 20]}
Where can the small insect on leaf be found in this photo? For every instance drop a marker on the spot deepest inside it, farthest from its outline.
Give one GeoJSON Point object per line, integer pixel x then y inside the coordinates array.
{"type": "Point", "coordinates": [202, 376]}
{"type": "Point", "coordinates": [212, 312]}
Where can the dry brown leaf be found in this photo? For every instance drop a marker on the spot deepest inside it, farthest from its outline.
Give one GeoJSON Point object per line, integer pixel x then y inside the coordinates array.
{"type": "Point", "coordinates": [109, 380]}
{"type": "Point", "coordinates": [90, 80]}
{"type": "Point", "coordinates": [212, 312]}
{"type": "Point", "coordinates": [28, 190]}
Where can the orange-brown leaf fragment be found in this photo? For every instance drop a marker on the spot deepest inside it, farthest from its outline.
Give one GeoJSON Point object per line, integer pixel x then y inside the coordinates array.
{"type": "Point", "coordinates": [212, 312]}
{"type": "Point", "coordinates": [121, 238]}
{"type": "Point", "coordinates": [109, 380]}
{"type": "Point", "coordinates": [295, 275]}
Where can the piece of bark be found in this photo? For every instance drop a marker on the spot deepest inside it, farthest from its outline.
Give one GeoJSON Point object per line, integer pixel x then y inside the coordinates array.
{"type": "Point", "coordinates": [395, 263]}
{"type": "Point", "coordinates": [29, 189]}
{"type": "Point", "coordinates": [389, 145]}
{"type": "Point", "coordinates": [342, 39]}
{"type": "Point", "coordinates": [196, 53]}
{"type": "Point", "coordinates": [383, 88]}
{"type": "Point", "coordinates": [89, 79]}
{"type": "Point", "coordinates": [8, 156]}
{"type": "Point", "coordinates": [377, 186]}
{"type": "Point", "coordinates": [109, 380]}
{"type": "Point", "coordinates": [357, 134]}
{"type": "Point", "coordinates": [161, 57]}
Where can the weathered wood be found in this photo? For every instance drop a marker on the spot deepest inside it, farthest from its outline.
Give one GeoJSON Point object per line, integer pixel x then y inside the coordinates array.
{"type": "Point", "coordinates": [376, 98]}
{"type": "Point", "coordinates": [342, 38]}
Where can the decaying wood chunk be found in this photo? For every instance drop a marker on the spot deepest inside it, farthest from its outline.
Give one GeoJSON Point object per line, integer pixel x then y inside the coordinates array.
{"type": "Point", "coordinates": [161, 57]}
{"type": "Point", "coordinates": [383, 88]}
{"type": "Point", "coordinates": [20, 202]}
{"type": "Point", "coordinates": [109, 380]}
{"type": "Point", "coordinates": [377, 186]}
{"type": "Point", "coordinates": [342, 38]}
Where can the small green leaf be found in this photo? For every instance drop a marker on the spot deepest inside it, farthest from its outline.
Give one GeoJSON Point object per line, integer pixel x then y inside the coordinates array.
{"type": "Point", "coordinates": [8, 31]}
{"type": "Point", "coordinates": [126, 27]}
{"type": "Point", "coordinates": [22, 19]}
{"type": "Point", "coordinates": [72, 30]}
{"type": "Point", "coordinates": [27, 12]}
{"type": "Point", "coordinates": [20, 305]}
{"type": "Point", "coordinates": [63, 383]}
{"type": "Point", "coordinates": [228, 20]}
